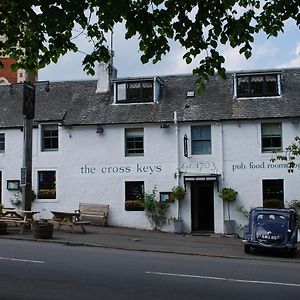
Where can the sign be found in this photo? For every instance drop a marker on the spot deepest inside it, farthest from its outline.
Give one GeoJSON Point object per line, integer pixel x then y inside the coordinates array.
{"type": "Point", "coordinates": [23, 176]}
{"type": "Point", "coordinates": [28, 100]}
{"type": "Point", "coordinates": [185, 146]}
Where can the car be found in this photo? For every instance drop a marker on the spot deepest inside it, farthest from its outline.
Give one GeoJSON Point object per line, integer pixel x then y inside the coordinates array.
{"type": "Point", "coordinates": [271, 228]}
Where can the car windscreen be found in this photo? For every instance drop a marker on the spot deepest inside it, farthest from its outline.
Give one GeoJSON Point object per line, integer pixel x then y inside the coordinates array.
{"type": "Point", "coordinates": [274, 218]}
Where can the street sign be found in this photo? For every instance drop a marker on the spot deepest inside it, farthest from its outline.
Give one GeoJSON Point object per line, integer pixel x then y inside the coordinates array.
{"type": "Point", "coordinates": [28, 100]}
{"type": "Point", "coordinates": [23, 176]}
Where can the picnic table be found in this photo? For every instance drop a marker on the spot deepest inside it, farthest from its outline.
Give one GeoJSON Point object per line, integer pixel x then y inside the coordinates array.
{"type": "Point", "coordinates": [18, 217]}
{"type": "Point", "coordinates": [71, 219]}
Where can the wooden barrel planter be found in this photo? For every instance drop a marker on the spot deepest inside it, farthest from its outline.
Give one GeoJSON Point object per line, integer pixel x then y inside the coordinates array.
{"type": "Point", "coordinates": [3, 228]}
{"type": "Point", "coordinates": [43, 231]}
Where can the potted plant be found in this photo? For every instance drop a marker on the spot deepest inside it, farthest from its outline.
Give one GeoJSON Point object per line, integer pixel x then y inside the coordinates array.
{"type": "Point", "coordinates": [228, 195]}
{"type": "Point", "coordinates": [42, 229]}
{"type": "Point", "coordinates": [177, 193]}
{"type": "Point", "coordinates": [3, 225]}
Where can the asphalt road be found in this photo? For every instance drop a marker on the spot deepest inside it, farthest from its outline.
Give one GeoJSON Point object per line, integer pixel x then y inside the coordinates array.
{"type": "Point", "coordinates": [52, 271]}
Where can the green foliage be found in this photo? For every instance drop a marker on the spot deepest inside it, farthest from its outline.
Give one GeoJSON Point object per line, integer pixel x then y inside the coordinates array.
{"type": "Point", "coordinates": [177, 193]}
{"type": "Point", "coordinates": [294, 204]}
{"type": "Point", "coordinates": [242, 210]}
{"type": "Point", "coordinates": [155, 210]}
{"type": "Point", "coordinates": [291, 153]}
{"type": "Point", "coordinates": [49, 29]}
{"type": "Point", "coordinates": [273, 203]}
{"type": "Point", "coordinates": [16, 199]}
{"type": "Point", "coordinates": [228, 195]}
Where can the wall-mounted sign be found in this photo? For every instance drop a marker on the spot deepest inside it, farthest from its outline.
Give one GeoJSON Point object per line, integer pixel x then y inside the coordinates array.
{"type": "Point", "coordinates": [28, 100]}
{"type": "Point", "coordinates": [23, 176]}
{"type": "Point", "coordinates": [185, 146]}
{"type": "Point", "coordinates": [13, 185]}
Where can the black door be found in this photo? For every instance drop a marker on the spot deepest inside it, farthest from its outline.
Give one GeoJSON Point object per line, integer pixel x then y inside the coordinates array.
{"type": "Point", "coordinates": [202, 200]}
{"type": "Point", "coordinates": [0, 187]}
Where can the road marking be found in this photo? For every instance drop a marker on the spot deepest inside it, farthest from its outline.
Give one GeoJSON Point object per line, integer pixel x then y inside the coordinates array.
{"type": "Point", "coordinates": [22, 260]}
{"type": "Point", "coordinates": [224, 279]}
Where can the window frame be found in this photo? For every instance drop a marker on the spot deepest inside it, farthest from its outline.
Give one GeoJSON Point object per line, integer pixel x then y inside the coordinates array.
{"type": "Point", "coordinates": [272, 148]}
{"type": "Point", "coordinates": [2, 142]}
{"type": "Point", "coordinates": [135, 151]}
{"type": "Point", "coordinates": [46, 189]}
{"type": "Point", "coordinates": [201, 140]}
{"type": "Point", "coordinates": [142, 98]}
{"type": "Point", "coordinates": [130, 194]}
{"type": "Point", "coordinates": [54, 139]}
{"type": "Point", "coordinates": [265, 92]}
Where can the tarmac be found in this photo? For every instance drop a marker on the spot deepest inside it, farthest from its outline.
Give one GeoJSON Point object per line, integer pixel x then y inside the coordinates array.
{"type": "Point", "coordinates": [201, 244]}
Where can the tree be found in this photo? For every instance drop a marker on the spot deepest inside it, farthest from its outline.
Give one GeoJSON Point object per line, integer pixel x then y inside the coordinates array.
{"type": "Point", "coordinates": [291, 153]}
{"type": "Point", "coordinates": [38, 32]}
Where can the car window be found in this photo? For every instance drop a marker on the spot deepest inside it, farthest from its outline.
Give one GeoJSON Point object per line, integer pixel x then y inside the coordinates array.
{"type": "Point", "coordinates": [271, 218]}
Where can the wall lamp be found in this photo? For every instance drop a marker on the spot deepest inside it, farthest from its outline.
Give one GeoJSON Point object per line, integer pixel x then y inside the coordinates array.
{"type": "Point", "coordinates": [99, 130]}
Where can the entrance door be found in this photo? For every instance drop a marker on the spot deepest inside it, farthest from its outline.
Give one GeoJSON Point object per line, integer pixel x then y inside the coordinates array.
{"type": "Point", "coordinates": [202, 200]}
{"type": "Point", "coordinates": [0, 187]}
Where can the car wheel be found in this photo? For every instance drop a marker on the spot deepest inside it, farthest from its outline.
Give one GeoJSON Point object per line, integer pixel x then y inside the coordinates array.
{"type": "Point", "coordinates": [247, 248]}
{"type": "Point", "coordinates": [292, 252]}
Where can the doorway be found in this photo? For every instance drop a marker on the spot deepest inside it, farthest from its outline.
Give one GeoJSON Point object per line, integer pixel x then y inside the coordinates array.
{"type": "Point", "coordinates": [0, 187]}
{"type": "Point", "coordinates": [202, 205]}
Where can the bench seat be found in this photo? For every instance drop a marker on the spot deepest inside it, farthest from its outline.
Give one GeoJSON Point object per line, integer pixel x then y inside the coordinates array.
{"type": "Point", "coordinates": [95, 214]}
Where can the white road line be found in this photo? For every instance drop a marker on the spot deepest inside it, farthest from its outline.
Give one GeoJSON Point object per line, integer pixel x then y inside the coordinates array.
{"type": "Point", "coordinates": [22, 260]}
{"type": "Point", "coordinates": [224, 279]}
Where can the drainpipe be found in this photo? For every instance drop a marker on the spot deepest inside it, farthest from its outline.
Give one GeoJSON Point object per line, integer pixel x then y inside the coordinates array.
{"type": "Point", "coordinates": [177, 157]}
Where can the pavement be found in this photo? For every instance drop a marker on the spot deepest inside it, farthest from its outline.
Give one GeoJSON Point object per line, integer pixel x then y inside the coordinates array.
{"type": "Point", "coordinates": [213, 245]}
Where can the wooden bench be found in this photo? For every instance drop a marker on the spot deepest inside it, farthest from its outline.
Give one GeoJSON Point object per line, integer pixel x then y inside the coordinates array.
{"type": "Point", "coordinates": [96, 214]}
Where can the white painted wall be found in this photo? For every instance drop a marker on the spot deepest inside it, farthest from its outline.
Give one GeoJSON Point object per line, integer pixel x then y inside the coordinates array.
{"type": "Point", "coordinates": [92, 167]}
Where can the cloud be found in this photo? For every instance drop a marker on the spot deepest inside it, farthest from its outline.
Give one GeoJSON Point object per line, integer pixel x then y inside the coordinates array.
{"type": "Point", "coordinates": [294, 62]}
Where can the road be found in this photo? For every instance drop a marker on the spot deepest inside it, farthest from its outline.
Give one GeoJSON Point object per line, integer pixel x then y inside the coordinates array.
{"type": "Point", "coordinates": [30, 270]}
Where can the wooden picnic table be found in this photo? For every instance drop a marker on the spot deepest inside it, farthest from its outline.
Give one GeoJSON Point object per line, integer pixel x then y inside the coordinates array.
{"type": "Point", "coordinates": [18, 217]}
{"type": "Point", "coordinates": [70, 219]}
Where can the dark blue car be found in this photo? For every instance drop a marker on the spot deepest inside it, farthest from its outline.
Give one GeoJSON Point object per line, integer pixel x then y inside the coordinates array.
{"type": "Point", "coordinates": [271, 228]}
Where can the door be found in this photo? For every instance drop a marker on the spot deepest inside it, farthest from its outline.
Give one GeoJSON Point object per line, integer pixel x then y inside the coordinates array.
{"type": "Point", "coordinates": [0, 187]}
{"type": "Point", "coordinates": [202, 204]}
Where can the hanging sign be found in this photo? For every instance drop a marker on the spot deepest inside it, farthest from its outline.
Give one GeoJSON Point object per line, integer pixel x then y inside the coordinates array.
{"type": "Point", "coordinates": [23, 177]}
{"type": "Point", "coordinates": [28, 100]}
{"type": "Point", "coordinates": [185, 146]}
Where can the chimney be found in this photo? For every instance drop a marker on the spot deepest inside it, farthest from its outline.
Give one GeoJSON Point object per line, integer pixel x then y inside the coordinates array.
{"type": "Point", "coordinates": [103, 83]}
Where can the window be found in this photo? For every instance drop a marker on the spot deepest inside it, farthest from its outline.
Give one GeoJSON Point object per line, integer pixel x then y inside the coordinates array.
{"type": "Point", "coordinates": [46, 184]}
{"type": "Point", "coordinates": [257, 85]}
{"type": "Point", "coordinates": [134, 142]}
{"type": "Point", "coordinates": [271, 137]}
{"type": "Point", "coordinates": [201, 139]}
{"type": "Point", "coordinates": [133, 190]}
{"type": "Point", "coordinates": [2, 142]}
{"type": "Point", "coordinates": [273, 195]}
{"type": "Point", "coordinates": [134, 92]}
{"type": "Point", "coordinates": [49, 138]}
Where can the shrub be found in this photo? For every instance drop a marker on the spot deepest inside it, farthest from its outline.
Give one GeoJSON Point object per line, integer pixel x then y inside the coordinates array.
{"type": "Point", "coordinates": [155, 210]}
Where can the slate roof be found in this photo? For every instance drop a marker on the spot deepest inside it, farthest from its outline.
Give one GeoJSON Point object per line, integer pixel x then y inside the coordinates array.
{"type": "Point", "coordinates": [76, 103]}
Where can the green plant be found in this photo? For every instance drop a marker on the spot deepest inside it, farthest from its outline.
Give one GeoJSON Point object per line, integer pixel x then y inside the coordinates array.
{"type": "Point", "coordinates": [242, 210]}
{"type": "Point", "coordinates": [155, 210]}
{"type": "Point", "coordinates": [177, 193]}
{"type": "Point", "coordinates": [273, 203]}
{"type": "Point", "coordinates": [16, 200]}
{"type": "Point", "coordinates": [295, 204]}
{"type": "Point", "coordinates": [228, 195]}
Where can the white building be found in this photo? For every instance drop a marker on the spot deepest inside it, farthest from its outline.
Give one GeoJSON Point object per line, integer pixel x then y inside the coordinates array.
{"type": "Point", "coordinates": [100, 143]}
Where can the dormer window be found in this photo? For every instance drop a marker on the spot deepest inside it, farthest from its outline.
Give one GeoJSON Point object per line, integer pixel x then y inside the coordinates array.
{"type": "Point", "coordinates": [257, 85]}
{"type": "Point", "coordinates": [137, 91]}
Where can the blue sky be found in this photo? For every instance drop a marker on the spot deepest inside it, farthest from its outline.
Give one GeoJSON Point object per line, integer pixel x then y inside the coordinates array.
{"type": "Point", "coordinates": [279, 52]}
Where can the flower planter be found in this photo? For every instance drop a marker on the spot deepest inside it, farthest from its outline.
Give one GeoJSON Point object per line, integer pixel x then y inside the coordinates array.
{"type": "Point", "coordinates": [43, 231]}
{"type": "Point", "coordinates": [178, 225]}
{"type": "Point", "coordinates": [229, 227]}
{"type": "Point", "coordinates": [3, 228]}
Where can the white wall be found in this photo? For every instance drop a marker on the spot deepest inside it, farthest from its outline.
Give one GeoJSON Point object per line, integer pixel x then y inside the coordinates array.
{"type": "Point", "coordinates": [92, 167]}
